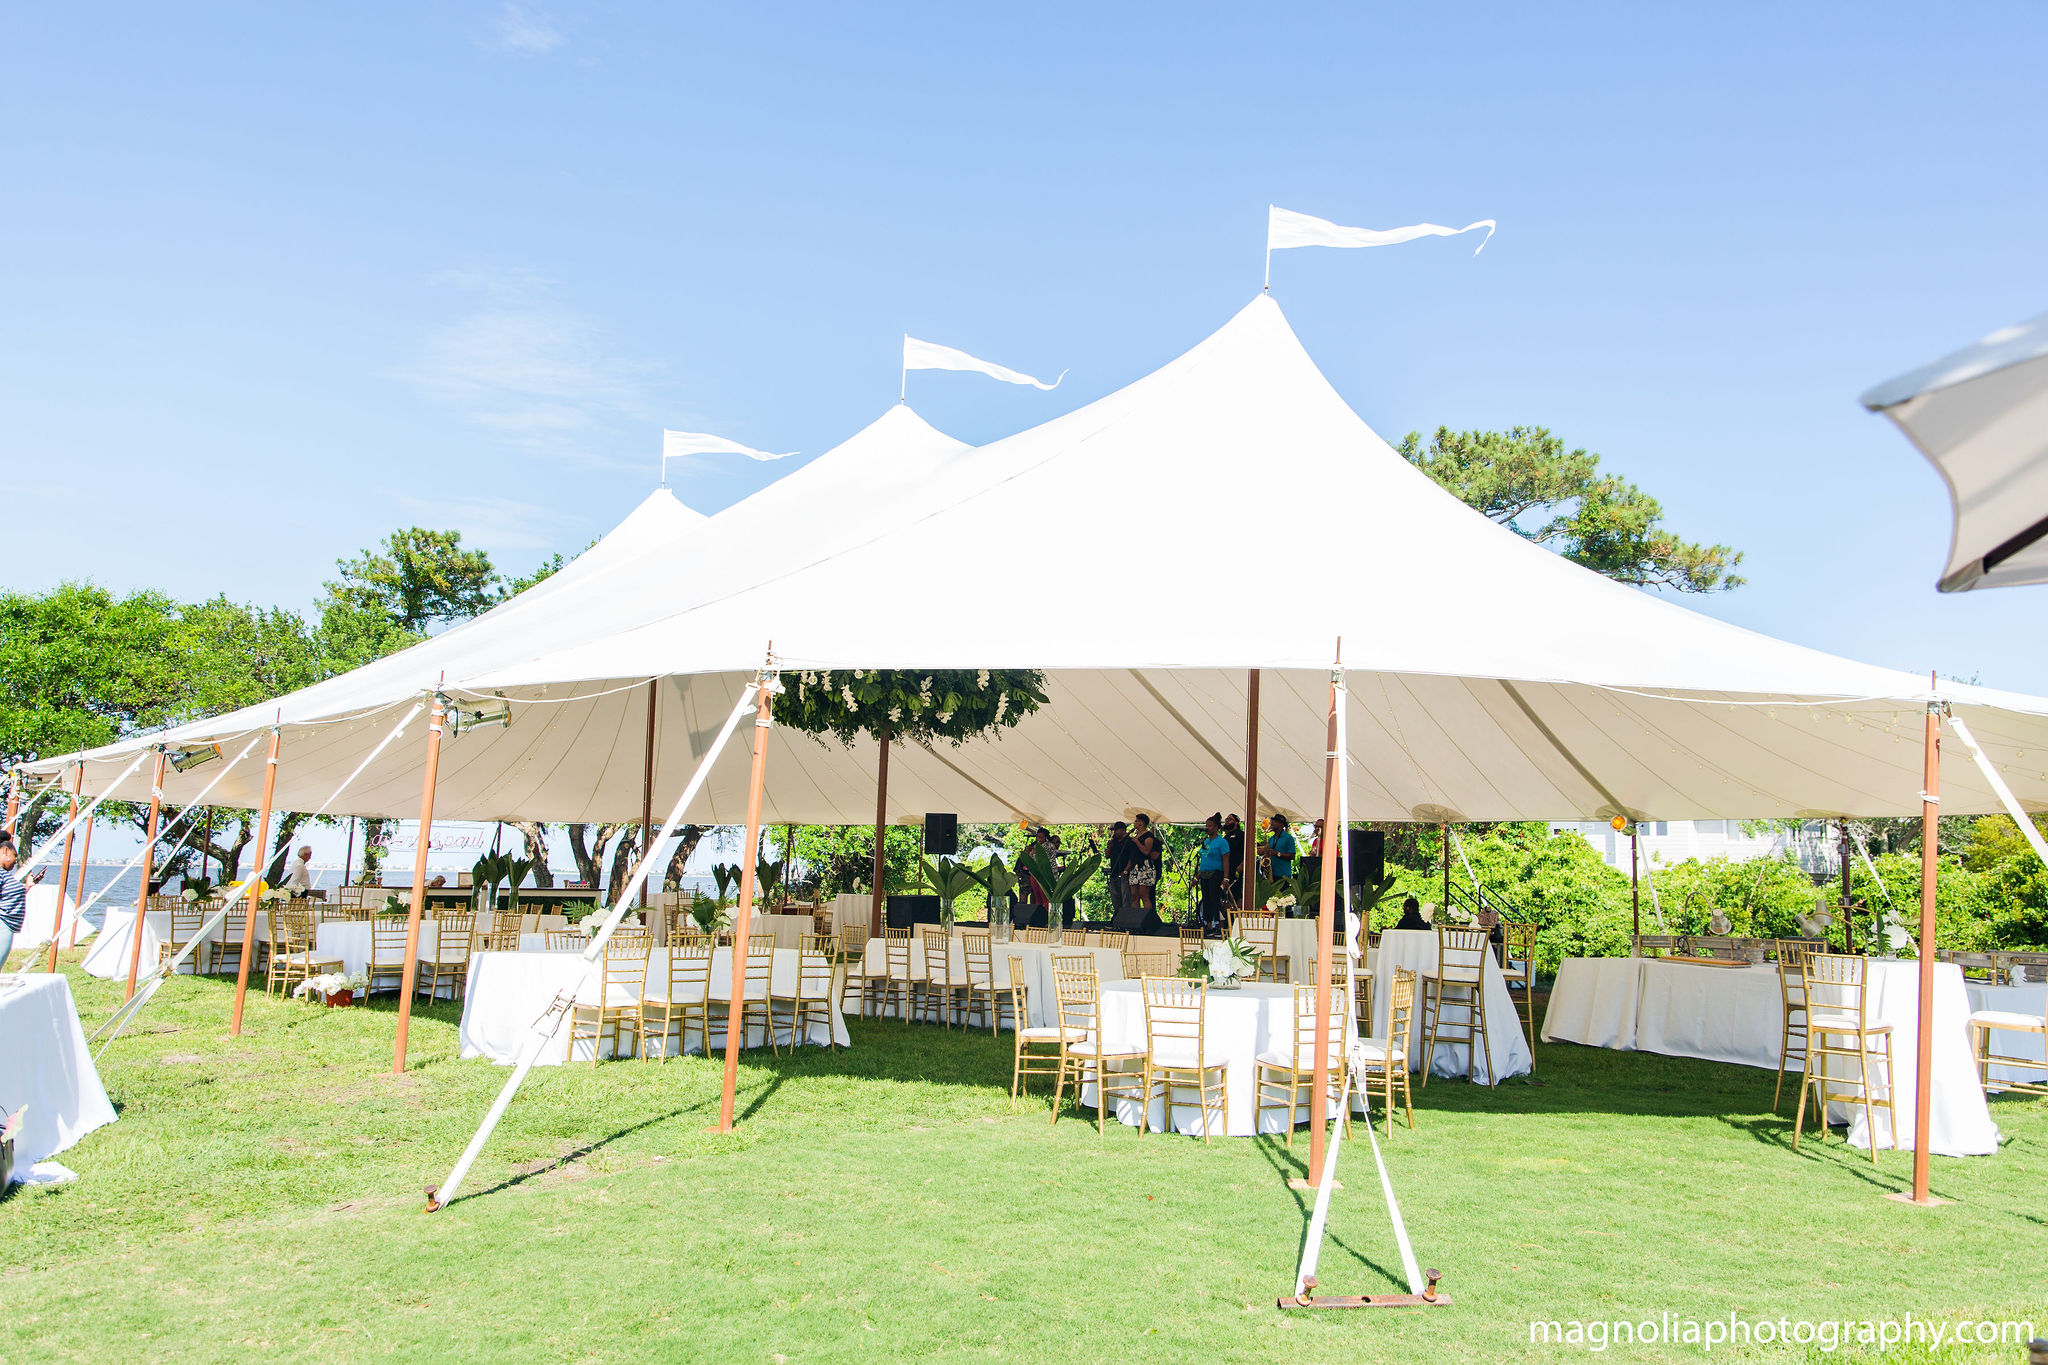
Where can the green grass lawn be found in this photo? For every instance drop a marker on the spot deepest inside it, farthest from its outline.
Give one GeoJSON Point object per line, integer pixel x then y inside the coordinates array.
{"type": "Point", "coordinates": [261, 1199]}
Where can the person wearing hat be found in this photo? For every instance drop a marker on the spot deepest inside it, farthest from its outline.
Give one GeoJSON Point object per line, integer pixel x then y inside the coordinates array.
{"type": "Point", "coordinates": [1281, 848]}
{"type": "Point", "coordinates": [1120, 855]}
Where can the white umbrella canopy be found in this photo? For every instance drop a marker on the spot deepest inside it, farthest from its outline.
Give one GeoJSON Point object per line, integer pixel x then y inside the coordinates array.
{"type": "Point", "coordinates": [1488, 677]}
{"type": "Point", "coordinates": [1980, 416]}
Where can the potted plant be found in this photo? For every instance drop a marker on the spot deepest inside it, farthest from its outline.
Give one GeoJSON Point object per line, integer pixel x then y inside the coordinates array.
{"type": "Point", "coordinates": [515, 870]}
{"type": "Point", "coordinates": [1225, 963]}
{"type": "Point", "coordinates": [1059, 886]}
{"type": "Point", "coordinates": [333, 989]}
{"type": "Point", "coordinates": [951, 880]}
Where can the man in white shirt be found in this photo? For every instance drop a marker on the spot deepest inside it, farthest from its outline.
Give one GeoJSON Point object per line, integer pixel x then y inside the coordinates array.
{"type": "Point", "coordinates": [299, 875]}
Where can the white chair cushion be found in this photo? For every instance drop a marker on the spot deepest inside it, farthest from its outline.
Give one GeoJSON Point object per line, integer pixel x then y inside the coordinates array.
{"type": "Point", "coordinates": [1175, 1053]}
{"type": "Point", "coordinates": [1369, 1050]}
{"type": "Point", "coordinates": [1276, 1057]}
{"type": "Point", "coordinates": [1090, 1047]}
{"type": "Point", "coordinates": [1048, 1035]}
{"type": "Point", "coordinates": [2026, 1023]}
{"type": "Point", "coordinates": [1819, 1021]}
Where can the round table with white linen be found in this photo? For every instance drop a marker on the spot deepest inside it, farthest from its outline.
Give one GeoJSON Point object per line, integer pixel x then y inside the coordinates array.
{"type": "Point", "coordinates": [46, 1068]}
{"type": "Point", "coordinates": [509, 991]}
{"type": "Point", "coordinates": [1507, 1049]}
{"type": "Point", "coordinates": [108, 957]}
{"type": "Point", "coordinates": [1238, 1026]}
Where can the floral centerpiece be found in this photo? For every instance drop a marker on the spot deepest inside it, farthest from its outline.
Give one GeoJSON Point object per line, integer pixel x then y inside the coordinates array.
{"type": "Point", "coordinates": [195, 889]}
{"type": "Point", "coordinates": [1225, 963]}
{"type": "Point", "coordinates": [333, 988]}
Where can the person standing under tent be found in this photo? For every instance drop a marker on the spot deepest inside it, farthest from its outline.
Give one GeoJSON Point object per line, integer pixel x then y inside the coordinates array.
{"type": "Point", "coordinates": [1281, 849]}
{"type": "Point", "coordinates": [1233, 872]}
{"type": "Point", "coordinates": [1120, 855]}
{"type": "Point", "coordinates": [13, 898]}
{"type": "Point", "coordinates": [1038, 896]}
{"type": "Point", "coordinates": [1211, 870]}
{"type": "Point", "coordinates": [1151, 857]}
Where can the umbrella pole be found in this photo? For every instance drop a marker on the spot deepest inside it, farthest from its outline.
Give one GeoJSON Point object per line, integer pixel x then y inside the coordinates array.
{"type": "Point", "coordinates": [647, 785]}
{"type": "Point", "coordinates": [419, 886]}
{"type": "Point", "coordinates": [64, 877]}
{"type": "Point", "coordinates": [1326, 917]}
{"type": "Point", "coordinates": [156, 807]}
{"type": "Point", "coordinates": [881, 831]}
{"type": "Point", "coordinates": [251, 901]}
{"type": "Point", "coordinates": [1246, 901]}
{"type": "Point", "coordinates": [736, 1007]}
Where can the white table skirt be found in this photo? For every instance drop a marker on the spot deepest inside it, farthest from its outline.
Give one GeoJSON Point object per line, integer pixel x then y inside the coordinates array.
{"type": "Point", "coordinates": [1507, 1049]}
{"type": "Point", "coordinates": [508, 991]}
{"type": "Point", "coordinates": [2013, 1000]}
{"type": "Point", "coordinates": [108, 957]}
{"type": "Point", "coordinates": [1240, 1024]}
{"type": "Point", "coordinates": [45, 1067]}
{"type": "Point", "coordinates": [42, 916]}
{"type": "Point", "coordinates": [789, 930]}
{"type": "Point", "coordinates": [1736, 1015]}
{"type": "Point", "coordinates": [1042, 1003]}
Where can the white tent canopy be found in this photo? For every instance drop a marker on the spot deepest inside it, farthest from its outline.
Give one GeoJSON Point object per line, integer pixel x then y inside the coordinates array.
{"type": "Point", "coordinates": [1489, 678]}
{"type": "Point", "coordinates": [1981, 417]}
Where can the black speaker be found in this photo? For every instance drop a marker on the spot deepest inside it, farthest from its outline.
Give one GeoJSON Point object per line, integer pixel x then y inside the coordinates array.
{"type": "Point", "coordinates": [902, 912]}
{"type": "Point", "coordinates": [941, 835]}
{"type": "Point", "coordinates": [1368, 856]}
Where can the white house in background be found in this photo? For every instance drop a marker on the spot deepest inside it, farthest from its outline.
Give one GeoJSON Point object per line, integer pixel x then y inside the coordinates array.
{"type": "Point", "coordinates": [1665, 842]}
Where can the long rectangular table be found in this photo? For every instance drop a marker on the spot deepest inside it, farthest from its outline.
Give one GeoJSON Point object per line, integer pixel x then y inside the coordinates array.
{"type": "Point", "coordinates": [1737, 1015]}
{"type": "Point", "coordinates": [108, 956]}
{"type": "Point", "coordinates": [46, 1068]}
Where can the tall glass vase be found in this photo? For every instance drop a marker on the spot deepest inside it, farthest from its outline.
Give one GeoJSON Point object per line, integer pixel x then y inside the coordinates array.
{"type": "Point", "coordinates": [999, 920]}
{"type": "Point", "coordinates": [946, 915]}
{"type": "Point", "coordinates": [1055, 927]}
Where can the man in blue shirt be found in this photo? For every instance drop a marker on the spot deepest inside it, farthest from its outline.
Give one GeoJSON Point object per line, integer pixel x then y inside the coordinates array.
{"type": "Point", "coordinates": [1281, 848]}
{"type": "Point", "coordinates": [13, 898]}
{"type": "Point", "coordinates": [1209, 870]}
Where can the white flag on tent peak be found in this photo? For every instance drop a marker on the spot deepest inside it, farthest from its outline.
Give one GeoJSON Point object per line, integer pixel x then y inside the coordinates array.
{"type": "Point", "coordinates": [926, 355]}
{"type": "Point", "coordinates": [1286, 228]}
{"type": "Point", "coordinates": [678, 443]}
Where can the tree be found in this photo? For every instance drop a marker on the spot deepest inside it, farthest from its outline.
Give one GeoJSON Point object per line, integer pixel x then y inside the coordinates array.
{"type": "Point", "coordinates": [416, 580]}
{"type": "Point", "coordinates": [1599, 520]}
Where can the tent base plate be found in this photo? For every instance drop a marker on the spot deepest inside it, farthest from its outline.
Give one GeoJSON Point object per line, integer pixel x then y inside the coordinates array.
{"type": "Point", "coordinates": [1295, 1182]}
{"type": "Point", "coordinates": [1365, 1301]}
{"type": "Point", "coordinates": [1933, 1201]}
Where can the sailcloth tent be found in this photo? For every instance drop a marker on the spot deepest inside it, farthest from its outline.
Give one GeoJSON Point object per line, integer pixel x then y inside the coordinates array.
{"type": "Point", "coordinates": [1489, 678]}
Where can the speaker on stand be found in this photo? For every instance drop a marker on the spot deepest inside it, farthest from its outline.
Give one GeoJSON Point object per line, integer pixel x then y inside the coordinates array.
{"type": "Point", "coordinates": [941, 835]}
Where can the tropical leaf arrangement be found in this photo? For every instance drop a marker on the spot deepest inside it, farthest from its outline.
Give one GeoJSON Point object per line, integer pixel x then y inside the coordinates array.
{"type": "Point", "coordinates": [1035, 863]}
{"type": "Point", "coordinates": [710, 915]}
{"type": "Point", "coordinates": [1228, 959]}
{"type": "Point", "coordinates": [950, 878]}
{"type": "Point", "coordinates": [768, 875]}
{"type": "Point", "coordinates": [727, 878]}
{"type": "Point", "coordinates": [196, 888]}
{"type": "Point", "coordinates": [953, 704]}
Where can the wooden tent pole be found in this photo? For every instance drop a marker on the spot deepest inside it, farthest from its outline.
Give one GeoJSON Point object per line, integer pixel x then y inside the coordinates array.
{"type": "Point", "coordinates": [736, 1007]}
{"type": "Point", "coordinates": [13, 800]}
{"type": "Point", "coordinates": [419, 885]}
{"type": "Point", "coordinates": [1444, 832]}
{"type": "Point", "coordinates": [1245, 901]}
{"type": "Point", "coordinates": [1326, 918]}
{"type": "Point", "coordinates": [881, 834]}
{"type": "Point", "coordinates": [84, 862]}
{"type": "Point", "coordinates": [156, 807]}
{"type": "Point", "coordinates": [647, 786]}
{"type": "Point", "coordinates": [64, 877]}
{"type": "Point", "coordinates": [251, 902]}
{"type": "Point", "coordinates": [348, 859]}
{"type": "Point", "coordinates": [1848, 917]}
{"type": "Point", "coordinates": [1930, 835]}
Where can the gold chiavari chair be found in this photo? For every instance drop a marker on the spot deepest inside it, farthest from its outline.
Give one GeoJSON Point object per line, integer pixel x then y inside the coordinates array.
{"type": "Point", "coordinates": [1041, 937]}
{"type": "Point", "coordinates": [448, 964]}
{"type": "Point", "coordinates": [1030, 1058]}
{"type": "Point", "coordinates": [853, 946]}
{"type": "Point", "coordinates": [1518, 966]}
{"type": "Point", "coordinates": [187, 919]}
{"type": "Point", "coordinates": [677, 990]}
{"type": "Point", "coordinates": [1381, 1062]}
{"type": "Point", "coordinates": [1285, 1078]}
{"type": "Point", "coordinates": [1454, 1000]}
{"type": "Point", "coordinates": [1792, 994]}
{"type": "Point", "coordinates": [981, 990]}
{"type": "Point", "coordinates": [940, 987]}
{"type": "Point", "coordinates": [1084, 1057]}
{"type": "Point", "coordinates": [386, 970]}
{"type": "Point", "coordinates": [760, 974]}
{"type": "Point", "coordinates": [1138, 965]}
{"type": "Point", "coordinates": [622, 981]}
{"type": "Point", "coordinates": [232, 940]}
{"type": "Point", "coordinates": [810, 1001]}
{"type": "Point", "coordinates": [1984, 1024]}
{"type": "Point", "coordinates": [1356, 984]}
{"type": "Point", "coordinates": [1118, 939]}
{"type": "Point", "coordinates": [567, 940]}
{"type": "Point", "coordinates": [1176, 1049]}
{"type": "Point", "coordinates": [1261, 931]}
{"type": "Point", "coordinates": [894, 980]}
{"type": "Point", "coordinates": [1190, 939]}
{"type": "Point", "coordinates": [498, 941]}
{"type": "Point", "coordinates": [292, 958]}
{"type": "Point", "coordinates": [1837, 1011]}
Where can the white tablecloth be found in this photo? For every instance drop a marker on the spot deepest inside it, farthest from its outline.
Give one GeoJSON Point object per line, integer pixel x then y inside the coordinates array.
{"type": "Point", "coordinates": [2012, 1000]}
{"type": "Point", "coordinates": [1042, 1004]}
{"type": "Point", "coordinates": [1239, 1026]}
{"type": "Point", "coordinates": [508, 991]}
{"type": "Point", "coordinates": [1507, 1048]}
{"type": "Point", "coordinates": [40, 916]}
{"type": "Point", "coordinates": [1736, 1014]}
{"type": "Point", "coordinates": [108, 957]}
{"type": "Point", "coordinates": [45, 1067]}
{"type": "Point", "coordinates": [789, 930]}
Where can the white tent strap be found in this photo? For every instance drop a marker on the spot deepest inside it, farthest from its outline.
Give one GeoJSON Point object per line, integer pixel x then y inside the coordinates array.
{"type": "Point", "coordinates": [1864, 849]}
{"type": "Point", "coordinates": [2005, 796]}
{"type": "Point", "coordinates": [1478, 892]}
{"type": "Point", "coordinates": [1656, 906]}
{"type": "Point", "coordinates": [56, 841]}
{"type": "Point", "coordinates": [186, 814]}
{"type": "Point", "coordinates": [537, 1037]}
{"type": "Point", "coordinates": [385, 743]}
{"type": "Point", "coordinates": [474, 695]}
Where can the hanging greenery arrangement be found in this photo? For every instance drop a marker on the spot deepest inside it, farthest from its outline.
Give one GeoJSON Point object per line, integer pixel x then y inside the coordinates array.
{"type": "Point", "coordinates": [953, 704]}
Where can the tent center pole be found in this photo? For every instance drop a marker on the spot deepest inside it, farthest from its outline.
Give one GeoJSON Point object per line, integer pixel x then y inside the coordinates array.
{"type": "Point", "coordinates": [735, 1015]}
{"type": "Point", "coordinates": [419, 885]}
{"type": "Point", "coordinates": [875, 923]}
{"type": "Point", "coordinates": [64, 877]}
{"type": "Point", "coordinates": [647, 784]}
{"type": "Point", "coordinates": [1248, 900]}
{"type": "Point", "coordinates": [1326, 919]}
{"type": "Point", "coordinates": [84, 862]}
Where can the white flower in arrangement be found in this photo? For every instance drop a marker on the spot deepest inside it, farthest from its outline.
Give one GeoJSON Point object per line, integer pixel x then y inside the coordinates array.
{"type": "Point", "coordinates": [1002, 704]}
{"type": "Point", "coordinates": [895, 714]}
{"type": "Point", "coordinates": [981, 679]}
{"type": "Point", "coordinates": [924, 692]}
{"type": "Point", "coordinates": [277, 895]}
{"type": "Point", "coordinates": [331, 983]}
{"type": "Point", "coordinates": [1230, 959]}
{"type": "Point", "coordinates": [846, 695]}
{"type": "Point", "coordinates": [945, 716]}
{"type": "Point", "coordinates": [1282, 902]}
{"type": "Point", "coordinates": [188, 894]}
{"type": "Point", "coordinates": [859, 673]}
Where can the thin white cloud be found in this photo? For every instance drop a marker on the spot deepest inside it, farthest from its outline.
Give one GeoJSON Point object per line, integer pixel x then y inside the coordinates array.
{"type": "Point", "coordinates": [524, 29]}
{"type": "Point", "coordinates": [497, 524]}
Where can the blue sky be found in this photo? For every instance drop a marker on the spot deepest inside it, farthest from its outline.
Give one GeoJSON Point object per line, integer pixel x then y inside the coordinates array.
{"type": "Point", "coordinates": [282, 278]}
